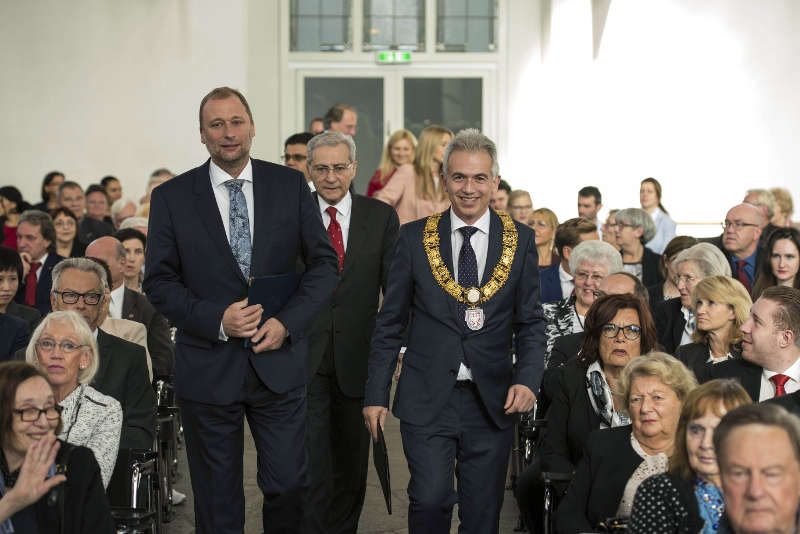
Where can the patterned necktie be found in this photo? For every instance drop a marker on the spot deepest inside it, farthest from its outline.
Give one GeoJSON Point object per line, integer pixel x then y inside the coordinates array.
{"type": "Point", "coordinates": [30, 284]}
{"type": "Point", "coordinates": [467, 262]}
{"type": "Point", "coordinates": [691, 323]}
{"type": "Point", "coordinates": [741, 275]}
{"type": "Point", "coordinates": [335, 232]}
{"type": "Point", "coordinates": [239, 225]}
{"type": "Point", "coordinates": [779, 380]}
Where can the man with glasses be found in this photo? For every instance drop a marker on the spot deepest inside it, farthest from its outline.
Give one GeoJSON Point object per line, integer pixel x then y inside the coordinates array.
{"type": "Point", "coordinates": [80, 285]}
{"type": "Point", "coordinates": [739, 241]}
{"type": "Point", "coordinates": [36, 240]}
{"type": "Point", "coordinates": [295, 154]}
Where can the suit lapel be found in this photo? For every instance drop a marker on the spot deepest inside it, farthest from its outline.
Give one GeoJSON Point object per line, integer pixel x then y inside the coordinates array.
{"type": "Point", "coordinates": [446, 252]}
{"type": "Point", "coordinates": [495, 246]}
{"type": "Point", "coordinates": [127, 304]}
{"type": "Point", "coordinates": [356, 234]}
{"type": "Point", "coordinates": [261, 212]}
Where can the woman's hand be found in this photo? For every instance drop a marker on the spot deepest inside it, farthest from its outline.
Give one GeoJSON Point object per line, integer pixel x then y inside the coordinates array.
{"type": "Point", "coordinates": [31, 484]}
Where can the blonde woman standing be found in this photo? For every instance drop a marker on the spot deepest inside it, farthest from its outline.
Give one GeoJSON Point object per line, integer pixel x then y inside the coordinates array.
{"type": "Point", "coordinates": [399, 149]}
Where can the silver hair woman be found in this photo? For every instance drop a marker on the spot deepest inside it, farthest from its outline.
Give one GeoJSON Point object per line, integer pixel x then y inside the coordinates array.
{"type": "Point", "coordinates": [635, 228]}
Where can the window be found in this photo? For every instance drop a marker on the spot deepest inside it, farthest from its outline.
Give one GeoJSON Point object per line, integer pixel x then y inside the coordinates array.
{"type": "Point", "coordinates": [394, 24]}
{"type": "Point", "coordinates": [452, 102]}
{"type": "Point", "coordinates": [320, 25]}
{"type": "Point", "coordinates": [466, 25]}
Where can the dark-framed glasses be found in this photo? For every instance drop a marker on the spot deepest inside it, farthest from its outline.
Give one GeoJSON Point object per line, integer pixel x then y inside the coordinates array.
{"type": "Point", "coordinates": [30, 415]}
{"type": "Point", "coordinates": [47, 346]}
{"type": "Point", "coordinates": [631, 331]}
{"type": "Point", "coordinates": [737, 225]}
{"type": "Point", "coordinates": [71, 297]}
{"type": "Point", "coordinates": [298, 158]}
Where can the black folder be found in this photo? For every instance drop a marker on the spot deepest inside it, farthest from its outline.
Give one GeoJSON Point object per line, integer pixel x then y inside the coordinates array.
{"type": "Point", "coordinates": [380, 457]}
{"type": "Point", "coordinates": [272, 292]}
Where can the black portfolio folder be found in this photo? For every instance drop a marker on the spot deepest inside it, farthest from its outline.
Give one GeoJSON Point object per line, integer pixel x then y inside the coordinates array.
{"type": "Point", "coordinates": [380, 457]}
{"type": "Point", "coordinates": [272, 292]}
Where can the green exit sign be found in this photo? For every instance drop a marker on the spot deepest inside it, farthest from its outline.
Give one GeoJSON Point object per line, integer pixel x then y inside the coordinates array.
{"type": "Point", "coordinates": [391, 58]}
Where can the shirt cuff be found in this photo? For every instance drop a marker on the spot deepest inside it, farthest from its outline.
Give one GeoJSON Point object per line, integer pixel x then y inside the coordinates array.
{"type": "Point", "coordinates": [222, 336]}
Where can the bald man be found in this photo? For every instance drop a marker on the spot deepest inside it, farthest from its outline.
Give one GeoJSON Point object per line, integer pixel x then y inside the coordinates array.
{"type": "Point", "coordinates": [740, 241]}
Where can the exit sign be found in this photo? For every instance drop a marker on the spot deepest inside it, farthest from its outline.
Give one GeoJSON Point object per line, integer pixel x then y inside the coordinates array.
{"type": "Point", "coordinates": [392, 58]}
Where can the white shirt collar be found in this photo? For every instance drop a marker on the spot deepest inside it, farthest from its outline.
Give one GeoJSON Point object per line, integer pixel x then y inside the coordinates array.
{"type": "Point", "coordinates": [219, 176]}
{"type": "Point", "coordinates": [563, 275]}
{"type": "Point", "coordinates": [482, 224]}
{"type": "Point", "coordinates": [343, 207]}
{"type": "Point", "coordinates": [792, 372]}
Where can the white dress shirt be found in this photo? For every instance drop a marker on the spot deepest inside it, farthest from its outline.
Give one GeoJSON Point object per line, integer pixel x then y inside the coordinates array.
{"type": "Point", "coordinates": [39, 270]}
{"type": "Point", "coordinates": [567, 283]}
{"type": "Point", "coordinates": [480, 244]}
{"type": "Point", "coordinates": [115, 306]}
{"type": "Point", "coordinates": [343, 209]}
{"type": "Point", "coordinates": [686, 337]}
{"type": "Point", "coordinates": [791, 385]}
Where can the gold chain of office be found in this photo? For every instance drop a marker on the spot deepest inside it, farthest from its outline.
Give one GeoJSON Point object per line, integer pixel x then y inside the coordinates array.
{"type": "Point", "coordinates": [470, 295]}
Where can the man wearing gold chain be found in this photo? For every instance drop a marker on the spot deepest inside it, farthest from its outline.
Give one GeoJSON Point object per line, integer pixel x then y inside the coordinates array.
{"type": "Point", "coordinates": [469, 276]}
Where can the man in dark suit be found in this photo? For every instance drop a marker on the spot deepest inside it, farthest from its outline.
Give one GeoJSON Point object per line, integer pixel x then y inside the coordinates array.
{"type": "Point", "coordinates": [211, 230]}
{"type": "Point", "coordinates": [459, 390]}
{"type": "Point", "coordinates": [740, 242]}
{"type": "Point", "coordinates": [363, 231]}
{"type": "Point", "coordinates": [770, 364]}
{"type": "Point", "coordinates": [557, 284]}
{"type": "Point", "coordinates": [80, 284]}
{"type": "Point", "coordinates": [36, 239]}
{"type": "Point", "coordinates": [14, 335]}
{"type": "Point", "coordinates": [70, 196]}
{"type": "Point", "coordinates": [128, 304]}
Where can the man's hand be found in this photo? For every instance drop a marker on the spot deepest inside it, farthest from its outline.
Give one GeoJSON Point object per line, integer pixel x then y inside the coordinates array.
{"type": "Point", "coordinates": [520, 399]}
{"type": "Point", "coordinates": [373, 416]}
{"type": "Point", "coordinates": [241, 320]}
{"type": "Point", "coordinates": [270, 336]}
{"type": "Point", "coordinates": [26, 265]}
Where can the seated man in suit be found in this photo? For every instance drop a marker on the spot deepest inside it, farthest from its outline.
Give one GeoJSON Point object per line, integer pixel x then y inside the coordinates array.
{"type": "Point", "coordinates": [128, 304]}
{"type": "Point", "coordinates": [70, 196]}
{"type": "Point", "coordinates": [770, 347]}
{"type": "Point", "coordinates": [10, 276]}
{"type": "Point", "coordinates": [740, 242]}
{"type": "Point", "coordinates": [36, 240]}
{"type": "Point", "coordinates": [79, 284]}
{"type": "Point", "coordinates": [14, 335]}
{"type": "Point", "coordinates": [557, 284]}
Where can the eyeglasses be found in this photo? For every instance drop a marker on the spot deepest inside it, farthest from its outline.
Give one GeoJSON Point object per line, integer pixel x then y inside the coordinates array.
{"type": "Point", "coordinates": [48, 345]}
{"type": "Point", "coordinates": [685, 278]}
{"type": "Point", "coordinates": [323, 170]}
{"type": "Point", "coordinates": [30, 415]}
{"type": "Point", "coordinates": [71, 297]}
{"type": "Point", "coordinates": [580, 276]}
{"type": "Point", "coordinates": [737, 225]}
{"type": "Point", "coordinates": [631, 331]}
{"type": "Point", "coordinates": [294, 157]}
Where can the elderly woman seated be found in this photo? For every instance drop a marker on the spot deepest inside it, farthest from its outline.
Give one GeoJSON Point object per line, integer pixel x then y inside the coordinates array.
{"type": "Point", "coordinates": [688, 498]}
{"type": "Point", "coordinates": [65, 351]}
{"type": "Point", "coordinates": [720, 304]}
{"type": "Point", "coordinates": [635, 228]}
{"type": "Point", "coordinates": [590, 262]}
{"type": "Point", "coordinates": [35, 497]}
{"type": "Point", "coordinates": [675, 321]}
{"type": "Point", "coordinates": [651, 390]}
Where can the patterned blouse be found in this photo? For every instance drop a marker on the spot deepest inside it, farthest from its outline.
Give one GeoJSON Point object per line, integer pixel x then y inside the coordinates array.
{"type": "Point", "coordinates": [93, 420]}
{"type": "Point", "coordinates": [561, 318]}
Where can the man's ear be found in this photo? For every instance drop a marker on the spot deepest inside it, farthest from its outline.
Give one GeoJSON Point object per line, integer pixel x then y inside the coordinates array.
{"type": "Point", "coordinates": [566, 252]}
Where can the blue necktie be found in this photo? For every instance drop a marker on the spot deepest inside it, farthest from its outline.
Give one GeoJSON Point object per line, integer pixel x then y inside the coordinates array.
{"type": "Point", "coordinates": [239, 226]}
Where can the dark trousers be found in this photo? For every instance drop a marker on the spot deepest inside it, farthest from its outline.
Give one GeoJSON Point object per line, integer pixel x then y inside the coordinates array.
{"type": "Point", "coordinates": [464, 441]}
{"type": "Point", "coordinates": [215, 449]}
{"type": "Point", "coordinates": [338, 450]}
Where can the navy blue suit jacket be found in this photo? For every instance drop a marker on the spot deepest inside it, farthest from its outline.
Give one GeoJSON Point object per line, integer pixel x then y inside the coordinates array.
{"type": "Point", "coordinates": [43, 285]}
{"type": "Point", "coordinates": [439, 336]}
{"type": "Point", "coordinates": [192, 277]}
{"type": "Point", "coordinates": [550, 283]}
{"type": "Point", "coordinates": [14, 335]}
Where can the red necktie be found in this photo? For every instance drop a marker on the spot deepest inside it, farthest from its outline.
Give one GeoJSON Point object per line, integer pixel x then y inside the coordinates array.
{"type": "Point", "coordinates": [335, 231]}
{"type": "Point", "coordinates": [779, 380]}
{"type": "Point", "coordinates": [741, 275]}
{"type": "Point", "coordinates": [30, 284]}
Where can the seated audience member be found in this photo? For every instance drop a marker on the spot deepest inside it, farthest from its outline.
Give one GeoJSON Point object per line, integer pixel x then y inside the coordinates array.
{"type": "Point", "coordinates": [499, 200]}
{"type": "Point", "coordinates": [634, 229]}
{"type": "Point", "coordinates": [399, 150]}
{"type": "Point", "coordinates": [557, 284]}
{"type": "Point", "coordinates": [764, 201]}
{"type": "Point", "coordinates": [520, 206]}
{"type": "Point", "coordinates": [591, 262]}
{"type": "Point", "coordinates": [50, 184]}
{"type": "Point", "coordinates": [10, 276]}
{"type": "Point", "coordinates": [609, 229]}
{"type": "Point", "coordinates": [668, 289]}
{"type": "Point", "coordinates": [688, 497]}
{"type": "Point", "coordinates": [758, 452]}
{"type": "Point", "coordinates": [134, 242]}
{"type": "Point", "coordinates": [415, 190]}
{"type": "Point", "coordinates": [98, 204]}
{"type": "Point", "coordinates": [674, 318]}
{"type": "Point", "coordinates": [66, 225]}
{"type": "Point", "coordinates": [295, 154]}
{"type": "Point", "coordinates": [122, 209]}
{"type": "Point", "coordinates": [158, 177]}
{"type": "Point", "coordinates": [770, 364]}
{"type": "Point", "coordinates": [720, 305]}
{"type": "Point", "coordinates": [651, 391]}
{"type": "Point", "coordinates": [70, 196]}
{"type": "Point", "coordinates": [36, 237]}
{"type": "Point", "coordinates": [650, 199]}
{"type": "Point", "coordinates": [590, 202]}
{"type": "Point", "coordinates": [136, 223]}
{"type": "Point", "coordinates": [79, 284]}
{"type": "Point", "coordinates": [64, 350]}
{"type": "Point", "coordinates": [14, 335]}
{"type": "Point", "coordinates": [11, 206]}
{"type": "Point", "coordinates": [316, 126]}
{"type": "Point", "coordinates": [128, 304]}
{"type": "Point", "coordinates": [113, 188]}
{"type": "Point", "coordinates": [780, 262]}
{"type": "Point", "coordinates": [784, 207]}
{"type": "Point", "coordinates": [28, 452]}
{"type": "Point", "coordinates": [740, 241]}
{"type": "Point", "coordinates": [544, 223]}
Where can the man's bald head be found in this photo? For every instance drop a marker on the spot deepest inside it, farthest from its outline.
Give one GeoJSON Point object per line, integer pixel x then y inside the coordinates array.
{"type": "Point", "coordinates": [110, 250]}
{"type": "Point", "coordinates": [623, 283]}
{"type": "Point", "coordinates": [743, 225]}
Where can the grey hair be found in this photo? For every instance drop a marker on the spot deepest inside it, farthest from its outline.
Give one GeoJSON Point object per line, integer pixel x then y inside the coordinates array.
{"type": "Point", "coordinates": [81, 264]}
{"type": "Point", "coordinates": [764, 197]}
{"type": "Point", "coordinates": [661, 365]}
{"type": "Point", "coordinates": [760, 413]}
{"type": "Point", "coordinates": [43, 221]}
{"type": "Point", "coordinates": [472, 140]}
{"type": "Point", "coordinates": [85, 337]}
{"type": "Point", "coordinates": [638, 218]}
{"type": "Point", "coordinates": [133, 222]}
{"type": "Point", "coordinates": [709, 259]}
{"type": "Point", "coordinates": [119, 204]}
{"type": "Point", "coordinates": [331, 139]}
{"type": "Point", "coordinates": [594, 251]}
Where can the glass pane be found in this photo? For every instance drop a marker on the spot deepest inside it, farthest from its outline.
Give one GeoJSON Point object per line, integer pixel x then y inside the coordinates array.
{"type": "Point", "coordinates": [466, 25]}
{"type": "Point", "coordinates": [394, 24]}
{"type": "Point", "coordinates": [456, 103]}
{"type": "Point", "coordinates": [364, 94]}
{"type": "Point", "coordinates": [319, 25]}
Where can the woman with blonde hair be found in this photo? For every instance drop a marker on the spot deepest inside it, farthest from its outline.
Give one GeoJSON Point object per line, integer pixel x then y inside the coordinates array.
{"type": "Point", "coordinates": [416, 189]}
{"type": "Point", "coordinates": [544, 223]}
{"type": "Point", "coordinates": [721, 305]}
{"type": "Point", "coordinates": [399, 149]}
{"type": "Point", "coordinates": [520, 206]}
